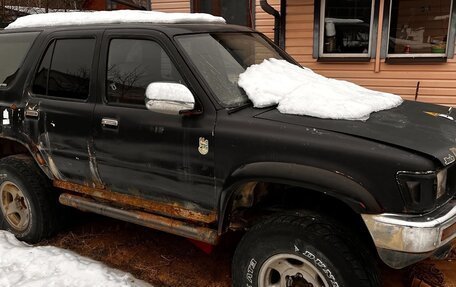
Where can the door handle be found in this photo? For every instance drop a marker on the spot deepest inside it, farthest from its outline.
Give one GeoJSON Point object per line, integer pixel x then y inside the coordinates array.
{"type": "Point", "coordinates": [112, 123]}
{"type": "Point", "coordinates": [31, 113]}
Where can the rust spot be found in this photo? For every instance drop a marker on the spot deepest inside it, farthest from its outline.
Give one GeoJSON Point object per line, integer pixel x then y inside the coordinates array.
{"type": "Point", "coordinates": [167, 209]}
{"type": "Point", "coordinates": [98, 183]}
{"type": "Point", "coordinates": [169, 225]}
{"type": "Point", "coordinates": [40, 159]}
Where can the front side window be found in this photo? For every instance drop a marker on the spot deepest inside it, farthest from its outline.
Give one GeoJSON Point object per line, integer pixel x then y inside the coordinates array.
{"type": "Point", "coordinates": [237, 12]}
{"type": "Point", "coordinates": [419, 29]}
{"type": "Point", "coordinates": [132, 66]}
{"type": "Point", "coordinates": [13, 49]}
{"type": "Point", "coordinates": [65, 69]}
{"type": "Point", "coordinates": [221, 58]}
{"type": "Point", "coordinates": [346, 28]}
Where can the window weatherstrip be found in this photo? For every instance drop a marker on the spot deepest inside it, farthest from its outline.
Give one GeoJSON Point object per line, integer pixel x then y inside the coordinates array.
{"type": "Point", "coordinates": [50, 65]}
{"type": "Point", "coordinates": [321, 42]}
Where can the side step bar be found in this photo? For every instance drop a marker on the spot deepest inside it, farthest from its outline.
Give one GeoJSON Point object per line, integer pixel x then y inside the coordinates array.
{"type": "Point", "coordinates": [161, 223]}
{"type": "Point", "coordinates": [164, 209]}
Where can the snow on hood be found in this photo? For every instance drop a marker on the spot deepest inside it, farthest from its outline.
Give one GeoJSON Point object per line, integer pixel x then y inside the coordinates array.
{"type": "Point", "coordinates": [300, 91]}
{"type": "Point", "coordinates": [112, 17]}
{"type": "Point", "coordinates": [44, 266]}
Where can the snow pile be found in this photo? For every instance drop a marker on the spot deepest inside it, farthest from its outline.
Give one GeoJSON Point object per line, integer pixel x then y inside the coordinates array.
{"type": "Point", "coordinates": [300, 91]}
{"type": "Point", "coordinates": [111, 17]}
{"type": "Point", "coordinates": [27, 266]}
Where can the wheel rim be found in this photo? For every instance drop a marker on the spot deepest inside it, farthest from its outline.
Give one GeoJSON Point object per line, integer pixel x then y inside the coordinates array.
{"type": "Point", "coordinates": [287, 270]}
{"type": "Point", "coordinates": [15, 206]}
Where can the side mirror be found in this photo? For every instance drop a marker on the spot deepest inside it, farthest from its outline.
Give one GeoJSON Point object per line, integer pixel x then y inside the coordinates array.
{"type": "Point", "coordinates": [169, 98]}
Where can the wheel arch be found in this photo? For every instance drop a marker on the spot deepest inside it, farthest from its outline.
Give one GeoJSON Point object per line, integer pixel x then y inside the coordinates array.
{"type": "Point", "coordinates": [12, 146]}
{"type": "Point", "coordinates": [310, 181]}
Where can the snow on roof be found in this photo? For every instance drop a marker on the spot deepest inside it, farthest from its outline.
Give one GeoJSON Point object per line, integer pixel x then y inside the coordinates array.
{"type": "Point", "coordinates": [112, 17]}
{"type": "Point", "coordinates": [25, 265]}
{"type": "Point", "coordinates": [300, 91]}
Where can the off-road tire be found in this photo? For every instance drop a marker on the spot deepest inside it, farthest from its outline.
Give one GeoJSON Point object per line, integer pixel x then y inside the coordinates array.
{"type": "Point", "coordinates": [22, 171]}
{"type": "Point", "coordinates": [341, 259]}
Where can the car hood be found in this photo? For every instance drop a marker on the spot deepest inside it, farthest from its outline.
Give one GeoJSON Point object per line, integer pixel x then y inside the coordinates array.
{"type": "Point", "coordinates": [425, 128]}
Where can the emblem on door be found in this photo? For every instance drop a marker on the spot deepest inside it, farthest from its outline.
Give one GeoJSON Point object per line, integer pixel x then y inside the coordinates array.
{"type": "Point", "coordinates": [203, 147]}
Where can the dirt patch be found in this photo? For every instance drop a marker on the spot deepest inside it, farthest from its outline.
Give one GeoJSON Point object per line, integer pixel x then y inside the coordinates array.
{"type": "Point", "coordinates": [166, 260]}
{"type": "Point", "coordinates": [153, 256]}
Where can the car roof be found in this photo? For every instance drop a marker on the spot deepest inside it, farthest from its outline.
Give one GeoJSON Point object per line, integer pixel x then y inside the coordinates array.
{"type": "Point", "coordinates": [169, 29]}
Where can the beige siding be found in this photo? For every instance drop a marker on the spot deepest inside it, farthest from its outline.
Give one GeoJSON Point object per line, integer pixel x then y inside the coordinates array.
{"type": "Point", "coordinates": [171, 5]}
{"type": "Point", "coordinates": [263, 21]}
{"type": "Point", "coordinates": [437, 81]}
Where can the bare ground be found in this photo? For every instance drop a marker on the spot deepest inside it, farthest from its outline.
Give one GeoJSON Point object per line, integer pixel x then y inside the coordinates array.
{"type": "Point", "coordinates": [167, 260]}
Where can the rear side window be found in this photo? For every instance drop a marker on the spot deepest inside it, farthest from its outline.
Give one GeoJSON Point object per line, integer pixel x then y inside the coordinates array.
{"type": "Point", "coordinates": [132, 66]}
{"type": "Point", "coordinates": [13, 49]}
{"type": "Point", "coordinates": [65, 69]}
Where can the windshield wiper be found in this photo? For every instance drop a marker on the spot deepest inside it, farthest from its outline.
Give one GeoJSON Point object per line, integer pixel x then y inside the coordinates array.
{"type": "Point", "coordinates": [239, 108]}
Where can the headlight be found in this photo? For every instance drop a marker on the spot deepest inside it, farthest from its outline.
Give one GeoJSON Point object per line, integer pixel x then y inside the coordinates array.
{"type": "Point", "coordinates": [421, 191]}
{"type": "Point", "coordinates": [441, 183]}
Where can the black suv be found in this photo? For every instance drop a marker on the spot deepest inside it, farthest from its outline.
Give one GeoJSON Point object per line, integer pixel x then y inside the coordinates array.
{"type": "Point", "coordinates": [146, 123]}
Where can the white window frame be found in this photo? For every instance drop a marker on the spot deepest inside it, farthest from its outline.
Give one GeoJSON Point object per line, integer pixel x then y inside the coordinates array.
{"type": "Point", "coordinates": [321, 45]}
{"type": "Point", "coordinates": [417, 55]}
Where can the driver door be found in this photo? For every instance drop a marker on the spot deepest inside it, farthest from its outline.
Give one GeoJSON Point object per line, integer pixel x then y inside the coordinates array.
{"type": "Point", "coordinates": [144, 153]}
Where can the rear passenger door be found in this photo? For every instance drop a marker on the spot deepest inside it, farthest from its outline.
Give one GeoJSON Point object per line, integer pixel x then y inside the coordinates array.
{"type": "Point", "coordinates": [60, 106]}
{"type": "Point", "coordinates": [144, 153]}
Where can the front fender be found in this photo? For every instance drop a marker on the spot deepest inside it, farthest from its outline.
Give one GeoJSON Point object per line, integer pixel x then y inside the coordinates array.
{"type": "Point", "coordinates": [332, 183]}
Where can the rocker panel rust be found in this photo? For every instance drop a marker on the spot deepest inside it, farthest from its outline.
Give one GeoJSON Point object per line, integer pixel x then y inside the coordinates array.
{"type": "Point", "coordinates": [166, 209]}
{"type": "Point", "coordinates": [161, 223]}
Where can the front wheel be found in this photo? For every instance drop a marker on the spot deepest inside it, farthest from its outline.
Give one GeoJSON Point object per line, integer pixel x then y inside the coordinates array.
{"type": "Point", "coordinates": [305, 250]}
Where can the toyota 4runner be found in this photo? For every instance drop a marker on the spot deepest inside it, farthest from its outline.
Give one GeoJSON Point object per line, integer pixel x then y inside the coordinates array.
{"type": "Point", "coordinates": [145, 122]}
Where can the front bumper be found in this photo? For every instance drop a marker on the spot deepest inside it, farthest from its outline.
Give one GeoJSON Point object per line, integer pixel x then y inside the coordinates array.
{"type": "Point", "coordinates": [402, 240]}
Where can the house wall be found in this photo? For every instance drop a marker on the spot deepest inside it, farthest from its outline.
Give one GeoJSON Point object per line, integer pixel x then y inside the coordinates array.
{"type": "Point", "coordinates": [171, 5]}
{"type": "Point", "coordinates": [437, 80]}
{"type": "Point", "coordinates": [263, 21]}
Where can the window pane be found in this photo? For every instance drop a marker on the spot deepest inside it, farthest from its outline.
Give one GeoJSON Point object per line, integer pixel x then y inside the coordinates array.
{"type": "Point", "coordinates": [419, 28]}
{"type": "Point", "coordinates": [70, 69]}
{"type": "Point", "coordinates": [41, 77]}
{"type": "Point", "coordinates": [221, 58]}
{"type": "Point", "coordinates": [13, 49]}
{"type": "Point", "coordinates": [132, 66]}
{"type": "Point", "coordinates": [347, 26]}
{"type": "Point", "coordinates": [235, 12]}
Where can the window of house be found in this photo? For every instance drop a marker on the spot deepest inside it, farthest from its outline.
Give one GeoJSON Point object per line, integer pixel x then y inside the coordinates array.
{"type": "Point", "coordinates": [13, 49]}
{"type": "Point", "coordinates": [419, 28]}
{"type": "Point", "coordinates": [112, 5]}
{"type": "Point", "coordinates": [132, 66]}
{"type": "Point", "coordinates": [346, 28]}
{"type": "Point", "coordinates": [65, 69]}
{"type": "Point", "coordinates": [237, 12]}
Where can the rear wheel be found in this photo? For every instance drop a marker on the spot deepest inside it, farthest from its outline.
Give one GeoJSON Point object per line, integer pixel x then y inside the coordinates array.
{"type": "Point", "coordinates": [303, 250]}
{"type": "Point", "coordinates": [15, 206]}
{"type": "Point", "coordinates": [27, 203]}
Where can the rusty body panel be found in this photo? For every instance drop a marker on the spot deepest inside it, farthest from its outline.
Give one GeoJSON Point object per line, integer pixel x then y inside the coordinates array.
{"type": "Point", "coordinates": [173, 226]}
{"type": "Point", "coordinates": [168, 209]}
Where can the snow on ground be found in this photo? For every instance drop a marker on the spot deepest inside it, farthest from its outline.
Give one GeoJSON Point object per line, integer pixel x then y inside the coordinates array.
{"type": "Point", "coordinates": [22, 265]}
{"type": "Point", "coordinates": [111, 17]}
{"type": "Point", "coordinates": [300, 91]}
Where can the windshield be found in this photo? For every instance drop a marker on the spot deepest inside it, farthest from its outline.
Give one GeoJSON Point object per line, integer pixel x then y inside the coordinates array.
{"type": "Point", "coordinates": [221, 58]}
